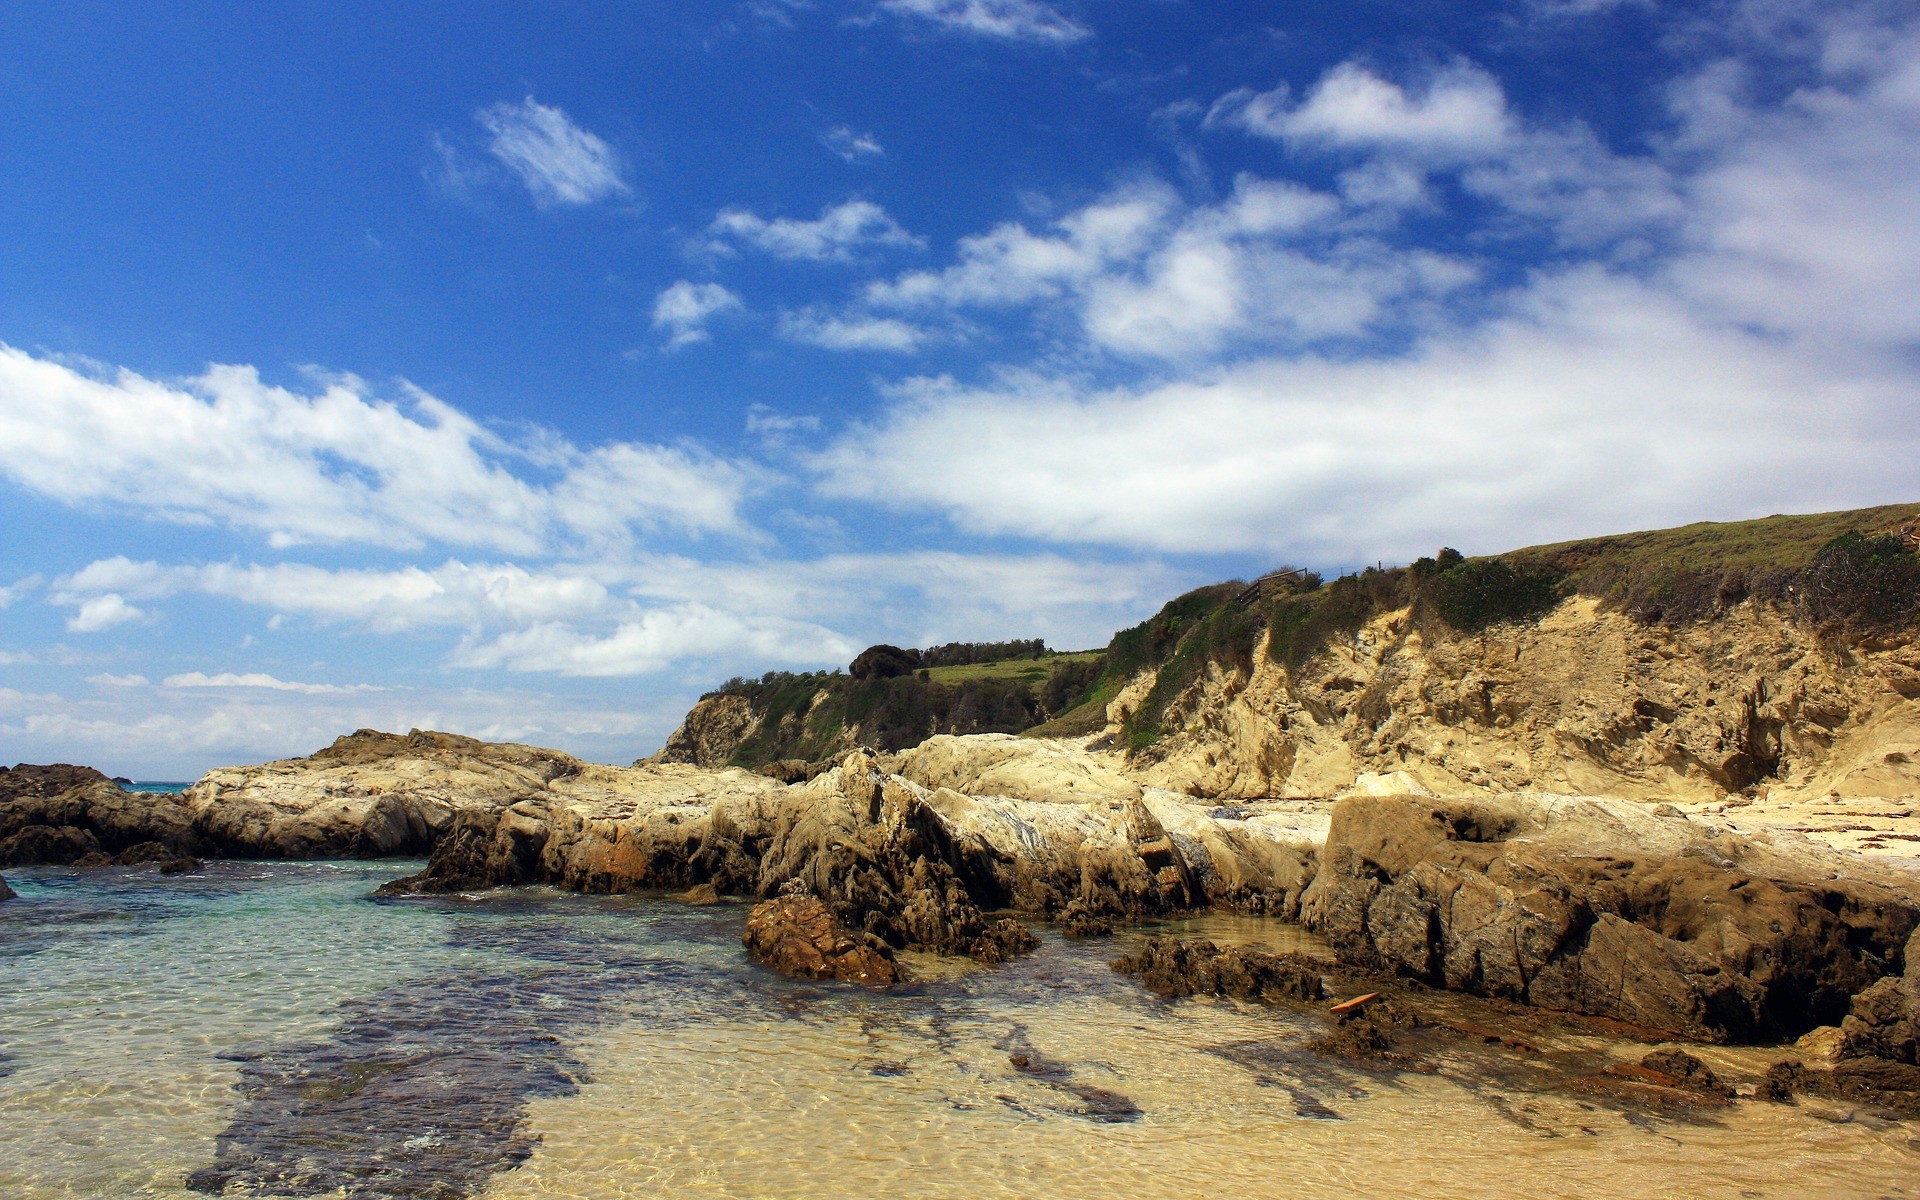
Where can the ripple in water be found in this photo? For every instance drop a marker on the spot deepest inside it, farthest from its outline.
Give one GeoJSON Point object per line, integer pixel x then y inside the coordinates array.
{"type": "Point", "coordinates": [270, 1030]}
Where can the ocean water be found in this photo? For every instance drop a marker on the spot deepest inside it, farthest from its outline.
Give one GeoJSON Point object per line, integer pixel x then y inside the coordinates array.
{"type": "Point", "coordinates": [272, 1030]}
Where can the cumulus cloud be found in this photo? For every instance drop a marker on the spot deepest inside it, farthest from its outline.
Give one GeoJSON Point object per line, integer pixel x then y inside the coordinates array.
{"type": "Point", "coordinates": [656, 640]}
{"type": "Point", "coordinates": [557, 160]}
{"type": "Point", "coordinates": [682, 311]}
{"type": "Point", "coordinates": [1460, 111]}
{"type": "Point", "coordinates": [1009, 20]}
{"type": "Point", "coordinates": [838, 234]}
{"type": "Point", "coordinates": [1602, 404]}
{"type": "Point", "coordinates": [851, 145]}
{"type": "Point", "coordinates": [1144, 274]}
{"type": "Point", "coordinates": [103, 612]}
{"type": "Point", "coordinates": [1755, 355]}
{"type": "Point", "coordinates": [338, 465]}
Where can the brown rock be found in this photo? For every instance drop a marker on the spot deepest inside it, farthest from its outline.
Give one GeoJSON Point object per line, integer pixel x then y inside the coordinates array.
{"type": "Point", "coordinates": [799, 935]}
{"type": "Point", "coordinates": [1598, 907]}
{"type": "Point", "coordinates": [1884, 1020]}
{"type": "Point", "coordinates": [6, 893]}
{"type": "Point", "coordinates": [1173, 968]}
{"type": "Point", "coordinates": [700, 895]}
{"type": "Point", "coordinates": [1079, 921]}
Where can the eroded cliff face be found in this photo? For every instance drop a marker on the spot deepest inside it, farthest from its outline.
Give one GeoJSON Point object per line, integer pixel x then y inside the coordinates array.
{"type": "Point", "coordinates": [709, 734]}
{"type": "Point", "coordinates": [1583, 702]}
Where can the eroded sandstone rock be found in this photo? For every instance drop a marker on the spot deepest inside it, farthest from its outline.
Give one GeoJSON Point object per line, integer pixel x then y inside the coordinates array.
{"type": "Point", "coordinates": [799, 935]}
{"type": "Point", "coordinates": [1600, 907]}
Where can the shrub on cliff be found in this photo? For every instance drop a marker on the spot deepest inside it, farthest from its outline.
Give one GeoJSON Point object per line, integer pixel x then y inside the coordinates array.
{"type": "Point", "coordinates": [1489, 591]}
{"type": "Point", "coordinates": [1863, 582]}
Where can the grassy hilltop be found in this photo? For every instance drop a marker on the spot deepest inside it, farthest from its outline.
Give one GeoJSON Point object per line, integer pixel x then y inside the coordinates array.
{"type": "Point", "coordinates": [1854, 574]}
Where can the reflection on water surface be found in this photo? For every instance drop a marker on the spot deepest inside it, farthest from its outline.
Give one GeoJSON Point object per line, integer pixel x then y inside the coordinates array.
{"type": "Point", "coordinates": [268, 1029]}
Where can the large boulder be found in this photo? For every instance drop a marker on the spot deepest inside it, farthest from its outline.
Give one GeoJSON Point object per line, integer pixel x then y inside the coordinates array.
{"type": "Point", "coordinates": [1884, 1020]}
{"type": "Point", "coordinates": [799, 935]}
{"type": "Point", "coordinates": [1603, 907]}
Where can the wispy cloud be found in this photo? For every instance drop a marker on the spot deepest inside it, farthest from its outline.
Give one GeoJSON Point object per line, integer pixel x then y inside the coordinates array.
{"type": "Point", "coordinates": [838, 234]}
{"type": "Point", "coordinates": [855, 332]}
{"type": "Point", "coordinates": [256, 679]}
{"type": "Point", "coordinates": [1009, 20]}
{"type": "Point", "coordinates": [559, 162]}
{"type": "Point", "coordinates": [682, 311]}
{"type": "Point", "coordinates": [337, 465]}
{"type": "Point", "coordinates": [850, 145]}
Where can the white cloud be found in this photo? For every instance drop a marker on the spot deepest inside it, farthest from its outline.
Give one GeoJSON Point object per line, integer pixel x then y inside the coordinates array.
{"type": "Point", "coordinates": [338, 465]}
{"type": "Point", "coordinates": [1011, 20]}
{"type": "Point", "coordinates": [1010, 265]}
{"type": "Point", "coordinates": [682, 310]}
{"type": "Point", "coordinates": [888, 334]}
{"type": "Point", "coordinates": [17, 589]}
{"type": "Point", "coordinates": [1145, 275]}
{"type": "Point", "coordinates": [663, 611]}
{"type": "Point", "coordinates": [559, 162]}
{"type": "Point", "coordinates": [655, 641]}
{"type": "Point", "coordinates": [255, 679]}
{"type": "Point", "coordinates": [853, 146]}
{"type": "Point", "coordinates": [122, 731]}
{"type": "Point", "coordinates": [103, 612]}
{"type": "Point", "coordinates": [1459, 112]}
{"type": "Point", "coordinates": [119, 681]}
{"type": "Point", "coordinates": [838, 234]}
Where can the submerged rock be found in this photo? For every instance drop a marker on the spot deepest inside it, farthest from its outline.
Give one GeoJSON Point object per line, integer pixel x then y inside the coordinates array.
{"type": "Point", "coordinates": [6, 893]}
{"type": "Point", "coordinates": [799, 935]}
{"type": "Point", "coordinates": [1173, 968]}
{"type": "Point", "coordinates": [1598, 907]}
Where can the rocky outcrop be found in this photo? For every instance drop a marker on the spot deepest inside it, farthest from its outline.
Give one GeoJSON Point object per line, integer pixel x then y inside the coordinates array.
{"type": "Point", "coordinates": [6, 893]}
{"type": "Point", "coordinates": [1583, 701]}
{"type": "Point", "coordinates": [709, 734]}
{"type": "Point", "coordinates": [63, 813]}
{"type": "Point", "coordinates": [799, 935]}
{"type": "Point", "coordinates": [1173, 968]}
{"type": "Point", "coordinates": [1606, 908]}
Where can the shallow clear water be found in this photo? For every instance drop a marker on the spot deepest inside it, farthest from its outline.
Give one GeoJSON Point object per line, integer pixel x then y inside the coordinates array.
{"type": "Point", "coordinates": [269, 1029]}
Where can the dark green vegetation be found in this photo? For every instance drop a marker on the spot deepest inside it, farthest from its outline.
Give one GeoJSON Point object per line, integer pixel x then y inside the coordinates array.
{"type": "Point", "coordinates": [1854, 575]}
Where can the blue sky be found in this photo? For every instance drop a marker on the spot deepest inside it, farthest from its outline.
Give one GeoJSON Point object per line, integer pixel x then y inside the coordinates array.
{"type": "Point", "coordinates": [523, 370]}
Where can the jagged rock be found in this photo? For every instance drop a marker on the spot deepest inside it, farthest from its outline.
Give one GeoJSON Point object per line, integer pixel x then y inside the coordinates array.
{"type": "Point", "coordinates": [799, 935]}
{"type": "Point", "coordinates": [184, 865]}
{"type": "Point", "coordinates": [709, 734]}
{"type": "Point", "coordinates": [92, 860]}
{"type": "Point", "coordinates": [700, 895]}
{"type": "Point", "coordinates": [1079, 921]}
{"type": "Point", "coordinates": [1596, 906]}
{"type": "Point", "coordinates": [6, 893]}
{"type": "Point", "coordinates": [60, 813]}
{"type": "Point", "coordinates": [1173, 968]}
{"type": "Point", "coordinates": [1884, 1020]}
{"type": "Point", "coordinates": [1879, 1081]}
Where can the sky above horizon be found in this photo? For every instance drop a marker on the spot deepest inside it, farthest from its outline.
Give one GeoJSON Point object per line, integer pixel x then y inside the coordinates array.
{"type": "Point", "coordinates": [525, 370]}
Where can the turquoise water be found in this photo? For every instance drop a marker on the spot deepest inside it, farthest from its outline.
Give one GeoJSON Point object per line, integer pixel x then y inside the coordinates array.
{"type": "Point", "coordinates": [272, 1030]}
{"type": "Point", "coordinates": [157, 787]}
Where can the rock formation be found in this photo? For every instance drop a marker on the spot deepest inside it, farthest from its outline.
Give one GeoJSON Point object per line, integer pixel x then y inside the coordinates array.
{"type": "Point", "coordinates": [1584, 701]}
{"type": "Point", "coordinates": [62, 813]}
{"type": "Point", "coordinates": [799, 935]}
{"type": "Point", "coordinates": [1601, 906]}
{"type": "Point", "coordinates": [6, 893]}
